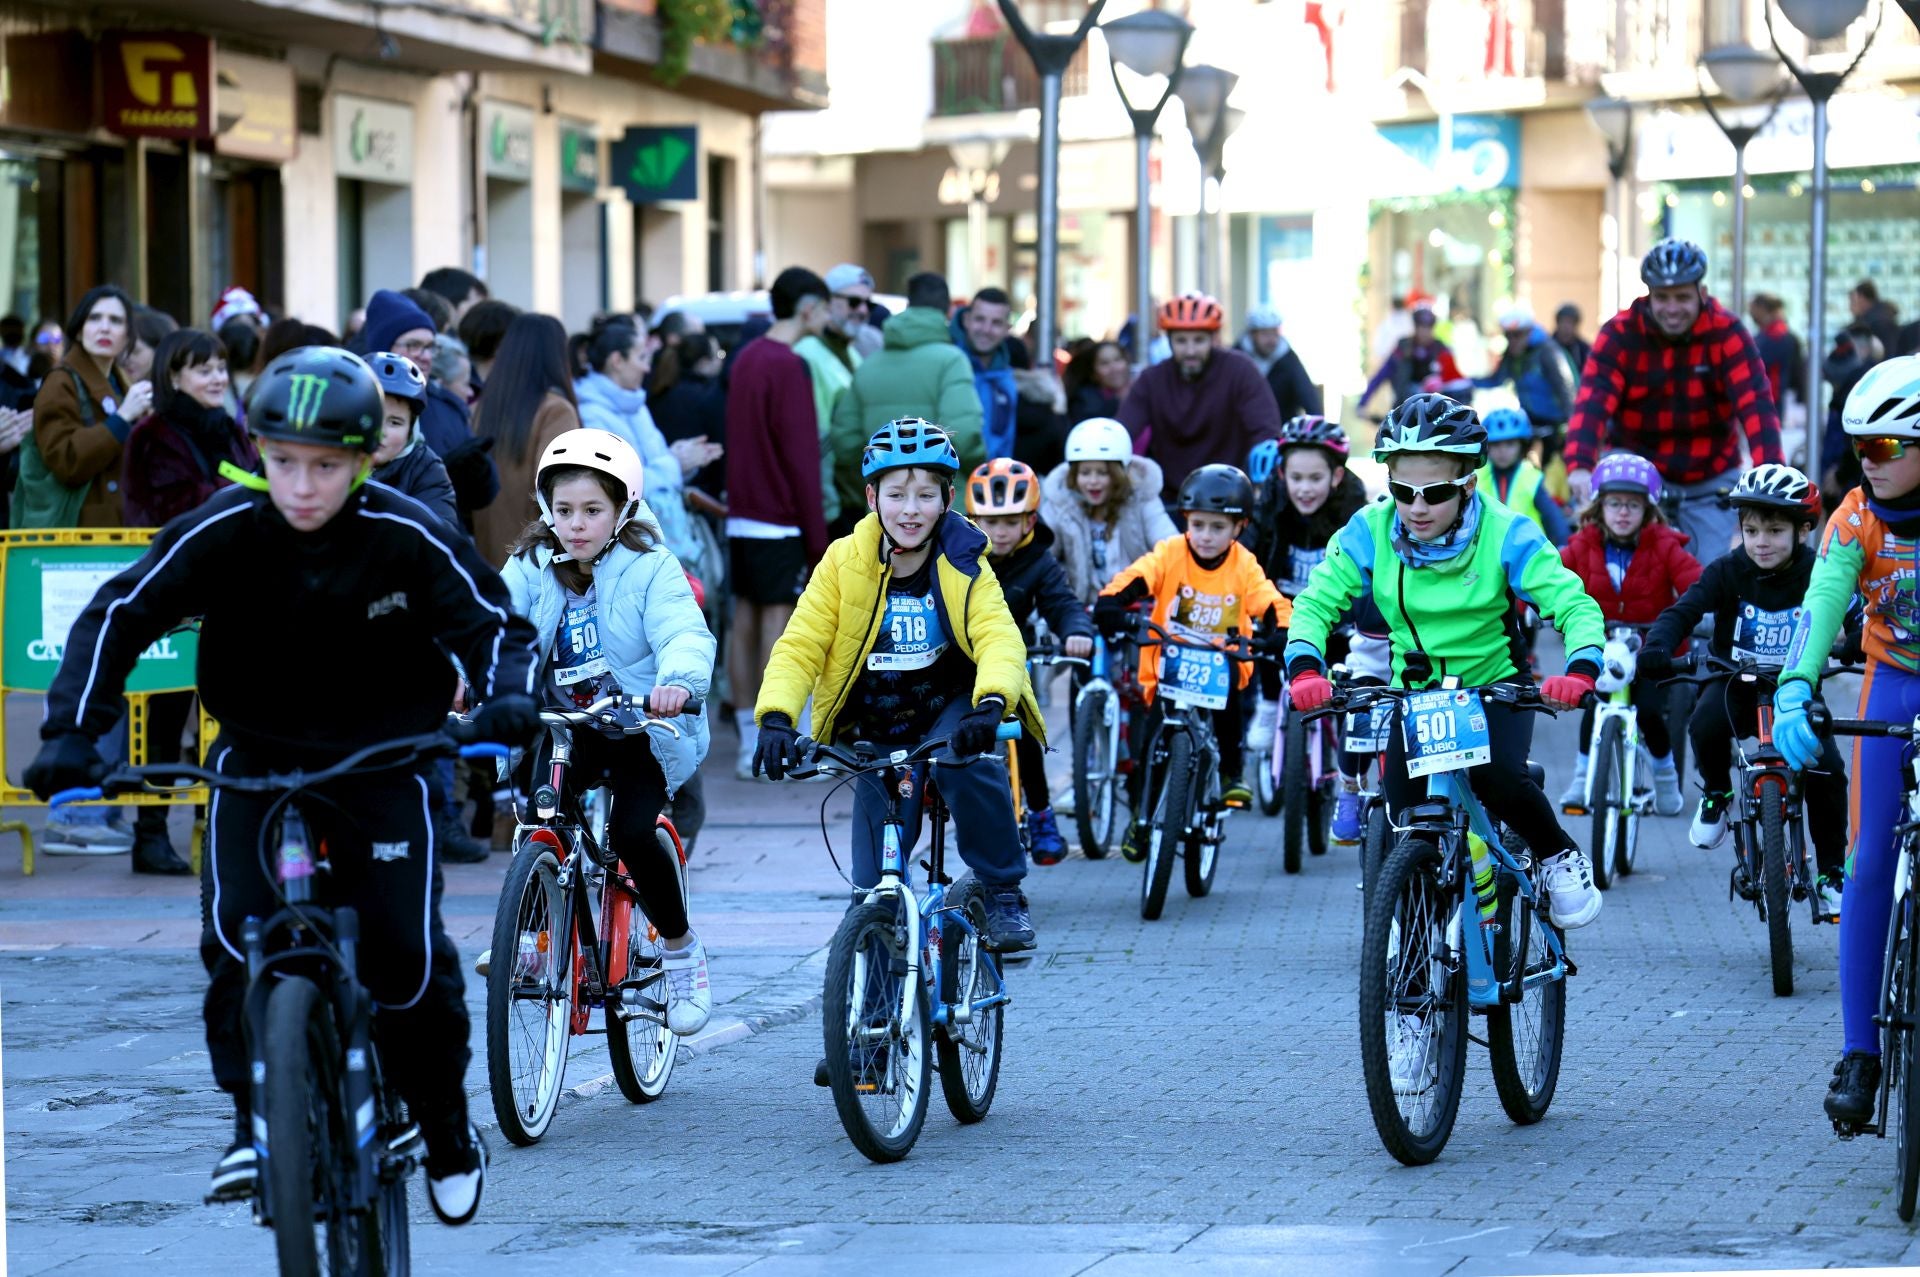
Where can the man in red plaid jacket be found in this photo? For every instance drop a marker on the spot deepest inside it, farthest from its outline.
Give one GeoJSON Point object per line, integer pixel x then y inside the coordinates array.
{"type": "Point", "coordinates": [1676, 379]}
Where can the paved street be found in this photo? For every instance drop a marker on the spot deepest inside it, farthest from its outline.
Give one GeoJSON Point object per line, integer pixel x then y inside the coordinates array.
{"type": "Point", "coordinates": [1181, 1096]}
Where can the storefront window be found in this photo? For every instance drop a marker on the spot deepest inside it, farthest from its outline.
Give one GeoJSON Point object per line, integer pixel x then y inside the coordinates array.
{"type": "Point", "coordinates": [20, 230]}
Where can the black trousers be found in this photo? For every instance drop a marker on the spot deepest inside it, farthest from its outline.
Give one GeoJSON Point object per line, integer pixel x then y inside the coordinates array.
{"type": "Point", "coordinates": [1501, 783]}
{"type": "Point", "coordinates": [1033, 774]}
{"type": "Point", "coordinates": [1650, 708]}
{"type": "Point", "coordinates": [1229, 736]}
{"type": "Point", "coordinates": [1726, 711]}
{"type": "Point", "coordinates": [629, 769]}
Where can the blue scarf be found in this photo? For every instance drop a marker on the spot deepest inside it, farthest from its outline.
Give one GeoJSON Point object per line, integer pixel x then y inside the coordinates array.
{"type": "Point", "coordinates": [1449, 545]}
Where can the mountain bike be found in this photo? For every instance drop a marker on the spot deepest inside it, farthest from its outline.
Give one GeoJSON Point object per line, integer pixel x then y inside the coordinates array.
{"type": "Point", "coordinates": [1365, 732]}
{"type": "Point", "coordinates": [1615, 799]}
{"type": "Point", "coordinates": [1182, 763]}
{"type": "Point", "coordinates": [907, 972]}
{"type": "Point", "coordinates": [569, 936]}
{"type": "Point", "coordinates": [1101, 709]}
{"type": "Point", "coordinates": [334, 1141]}
{"type": "Point", "coordinates": [1457, 924]}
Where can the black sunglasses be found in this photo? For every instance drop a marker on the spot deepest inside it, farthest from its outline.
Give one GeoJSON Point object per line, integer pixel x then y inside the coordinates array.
{"type": "Point", "coordinates": [853, 303]}
{"type": "Point", "coordinates": [1432, 493]}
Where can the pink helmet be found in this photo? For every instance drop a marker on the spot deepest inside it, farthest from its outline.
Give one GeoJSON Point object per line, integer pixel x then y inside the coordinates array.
{"type": "Point", "coordinates": [1624, 472]}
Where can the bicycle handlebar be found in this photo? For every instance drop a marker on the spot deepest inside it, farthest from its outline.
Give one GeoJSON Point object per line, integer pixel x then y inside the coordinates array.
{"type": "Point", "coordinates": [602, 710]}
{"type": "Point", "coordinates": [1237, 646]}
{"type": "Point", "coordinates": [1705, 667]}
{"type": "Point", "coordinates": [1348, 700]}
{"type": "Point", "coordinates": [818, 756]}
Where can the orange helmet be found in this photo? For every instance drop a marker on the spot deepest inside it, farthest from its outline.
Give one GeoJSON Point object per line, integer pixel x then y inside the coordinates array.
{"type": "Point", "coordinates": [1003, 486]}
{"type": "Point", "coordinates": [1191, 311]}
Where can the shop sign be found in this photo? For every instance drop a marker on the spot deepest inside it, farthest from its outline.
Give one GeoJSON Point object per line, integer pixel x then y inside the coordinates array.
{"type": "Point", "coordinates": [254, 101]}
{"type": "Point", "coordinates": [1482, 152]}
{"type": "Point", "coordinates": [157, 84]}
{"type": "Point", "coordinates": [653, 165]}
{"type": "Point", "coordinates": [372, 140]}
{"type": "Point", "coordinates": [579, 158]}
{"type": "Point", "coordinates": [506, 133]}
{"type": "Point", "coordinates": [1863, 130]}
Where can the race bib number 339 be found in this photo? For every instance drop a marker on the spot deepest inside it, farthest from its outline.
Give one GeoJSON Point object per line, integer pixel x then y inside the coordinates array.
{"type": "Point", "coordinates": [1445, 731]}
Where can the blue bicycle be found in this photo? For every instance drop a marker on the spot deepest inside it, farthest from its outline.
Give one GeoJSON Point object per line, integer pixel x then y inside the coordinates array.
{"type": "Point", "coordinates": [906, 971]}
{"type": "Point", "coordinates": [1456, 924]}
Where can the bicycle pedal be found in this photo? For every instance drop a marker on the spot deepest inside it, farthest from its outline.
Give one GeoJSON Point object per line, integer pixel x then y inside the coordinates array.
{"type": "Point", "coordinates": [1575, 810]}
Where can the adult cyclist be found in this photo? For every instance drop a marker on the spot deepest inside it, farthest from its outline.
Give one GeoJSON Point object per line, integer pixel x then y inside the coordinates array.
{"type": "Point", "coordinates": [1676, 379]}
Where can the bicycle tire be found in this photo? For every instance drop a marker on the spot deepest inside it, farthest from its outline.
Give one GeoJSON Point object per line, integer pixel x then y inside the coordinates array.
{"type": "Point", "coordinates": [865, 961]}
{"type": "Point", "coordinates": [1409, 901]}
{"type": "Point", "coordinates": [1320, 801]}
{"type": "Point", "coordinates": [1607, 769]}
{"type": "Point", "coordinates": [1378, 831]}
{"type": "Point", "coordinates": [641, 1049]}
{"type": "Point", "coordinates": [1267, 785]}
{"type": "Point", "coordinates": [1200, 858]}
{"type": "Point", "coordinates": [531, 903]}
{"type": "Point", "coordinates": [1680, 702]}
{"type": "Point", "coordinates": [396, 1245]}
{"type": "Point", "coordinates": [1294, 789]}
{"type": "Point", "coordinates": [1900, 1051]}
{"type": "Point", "coordinates": [1168, 826]}
{"type": "Point", "coordinates": [1773, 874]}
{"type": "Point", "coordinates": [969, 1053]}
{"type": "Point", "coordinates": [1093, 807]}
{"type": "Point", "coordinates": [1525, 1039]}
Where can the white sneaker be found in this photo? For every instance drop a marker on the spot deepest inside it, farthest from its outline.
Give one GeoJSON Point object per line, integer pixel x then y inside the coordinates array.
{"type": "Point", "coordinates": [456, 1198]}
{"type": "Point", "coordinates": [483, 965]}
{"type": "Point", "coordinates": [61, 838]}
{"type": "Point", "coordinates": [1574, 797]}
{"type": "Point", "coordinates": [1667, 800]}
{"type": "Point", "coordinates": [1572, 899]}
{"type": "Point", "coordinates": [1411, 1056]}
{"type": "Point", "coordinates": [1709, 828]}
{"type": "Point", "coordinates": [1260, 735]}
{"type": "Point", "coordinates": [1826, 893]}
{"type": "Point", "coordinates": [690, 1001]}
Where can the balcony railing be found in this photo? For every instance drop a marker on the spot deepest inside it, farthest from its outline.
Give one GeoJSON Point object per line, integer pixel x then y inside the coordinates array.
{"type": "Point", "coordinates": [993, 73]}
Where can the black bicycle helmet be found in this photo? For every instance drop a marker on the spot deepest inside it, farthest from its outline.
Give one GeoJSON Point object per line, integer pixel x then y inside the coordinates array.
{"type": "Point", "coordinates": [398, 377]}
{"type": "Point", "coordinates": [1431, 423]}
{"type": "Point", "coordinates": [320, 395]}
{"type": "Point", "coordinates": [1672, 262]}
{"type": "Point", "coordinates": [1218, 489]}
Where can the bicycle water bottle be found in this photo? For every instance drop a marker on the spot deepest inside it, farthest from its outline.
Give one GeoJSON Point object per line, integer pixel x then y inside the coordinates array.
{"type": "Point", "coordinates": [1485, 894]}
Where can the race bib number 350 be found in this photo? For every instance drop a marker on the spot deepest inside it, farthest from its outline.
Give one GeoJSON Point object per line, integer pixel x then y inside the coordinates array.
{"type": "Point", "coordinates": [1445, 731]}
{"type": "Point", "coordinates": [1763, 636]}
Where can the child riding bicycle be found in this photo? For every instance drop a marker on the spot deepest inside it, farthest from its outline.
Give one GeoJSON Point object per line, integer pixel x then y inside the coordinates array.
{"type": "Point", "coordinates": [1003, 497]}
{"type": "Point", "coordinates": [1515, 482]}
{"type": "Point", "coordinates": [1203, 585]}
{"type": "Point", "coordinates": [1445, 565]}
{"type": "Point", "coordinates": [306, 575]}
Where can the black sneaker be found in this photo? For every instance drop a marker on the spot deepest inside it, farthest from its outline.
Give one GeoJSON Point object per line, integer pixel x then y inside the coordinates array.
{"type": "Point", "coordinates": [236, 1174]}
{"type": "Point", "coordinates": [820, 1077]}
{"type": "Point", "coordinates": [1855, 1089]}
{"type": "Point", "coordinates": [1133, 847]}
{"type": "Point", "coordinates": [454, 1189]}
{"type": "Point", "coordinates": [153, 854]}
{"type": "Point", "coordinates": [455, 845]}
{"type": "Point", "coordinates": [1009, 927]}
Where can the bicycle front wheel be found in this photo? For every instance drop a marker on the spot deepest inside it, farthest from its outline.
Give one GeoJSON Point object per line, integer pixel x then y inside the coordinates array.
{"type": "Point", "coordinates": [969, 1047]}
{"type": "Point", "coordinates": [1525, 1038]}
{"type": "Point", "coordinates": [1773, 876]}
{"type": "Point", "coordinates": [1373, 850]}
{"type": "Point", "coordinates": [640, 1047]}
{"type": "Point", "coordinates": [1169, 826]}
{"type": "Point", "coordinates": [1609, 803]}
{"type": "Point", "coordinates": [1413, 1006]}
{"type": "Point", "coordinates": [1295, 787]}
{"type": "Point", "coordinates": [530, 992]}
{"type": "Point", "coordinates": [876, 1065]}
{"type": "Point", "coordinates": [1096, 766]}
{"type": "Point", "coordinates": [1268, 773]}
{"type": "Point", "coordinates": [1900, 1051]}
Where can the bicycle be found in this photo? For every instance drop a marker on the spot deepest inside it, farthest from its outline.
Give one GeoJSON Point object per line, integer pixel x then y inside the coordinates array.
{"type": "Point", "coordinates": [1455, 926]}
{"type": "Point", "coordinates": [1298, 780]}
{"type": "Point", "coordinates": [906, 971]}
{"type": "Point", "coordinates": [1771, 866]}
{"type": "Point", "coordinates": [1042, 655]}
{"type": "Point", "coordinates": [1366, 732]}
{"type": "Point", "coordinates": [1101, 709]}
{"type": "Point", "coordinates": [1181, 763]}
{"type": "Point", "coordinates": [555, 957]}
{"type": "Point", "coordinates": [1615, 799]}
{"type": "Point", "coordinates": [334, 1142]}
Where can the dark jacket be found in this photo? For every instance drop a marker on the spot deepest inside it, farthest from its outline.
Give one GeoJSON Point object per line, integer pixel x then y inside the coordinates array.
{"type": "Point", "coordinates": [1883, 321]}
{"type": "Point", "coordinates": [447, 425]}
{"type": "Point", "coordinates": [1785, 360]}
{"type": "Point", "coordinates": [993, 383]}
{"type": "Point", "coordinates": [1034, 581]}
{"type": "Point", "coordinates": [421, 475]}
{"type": "Point", "coordinates": [1218, 416]}
{"type": "Point", "coordinates": [1728, 583]}
{"type": "Point", "coordinates": [79, 454]}
{"type": "Point", "coordinates": [173, 461]}
{"type": "Point", "coordinates": [691, 407]}
{"type": "Point", "coordinates": [1091, 400]}
{"type": "Point", "coordinates": [1660, 571]}
{"type": "Point", "coordinates": [1541, 378]}
{"type": "Point", "coordinates": [1293, 390]}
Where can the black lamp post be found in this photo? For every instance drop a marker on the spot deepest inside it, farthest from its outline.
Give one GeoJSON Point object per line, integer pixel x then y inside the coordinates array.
{"type": "Point", "coordinates": [1148, 44]}
{"type": "Point", "coordinates": [1744, 75]}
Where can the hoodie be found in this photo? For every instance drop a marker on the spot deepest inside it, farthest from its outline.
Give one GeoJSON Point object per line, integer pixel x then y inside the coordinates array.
{"type": "Point", "coordinates": [993, 382]}
{"type": "Point", "coordinates": [918, 373]}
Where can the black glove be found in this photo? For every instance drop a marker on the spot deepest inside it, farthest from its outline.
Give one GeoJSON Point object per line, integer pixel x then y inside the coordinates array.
{"type": "Point", "coordinates": [1270, 642]}
{"type": "Point", "coordinates": [777, 748]}
{"type": "Point", "coordinates": [470, 469]}
{"type": "Point", "coordinates": [508, 719]}
{"type": "Point", "coordinates": [1654, 662]}
{"type": "Point", "coordinates": [1851, 650]}
{"type": "Point", "coordinates": [1112, 617]}
{"type": "Point", "coordinates": [67, 761]}
{"type": "Point", "coordinates": [974, 734]}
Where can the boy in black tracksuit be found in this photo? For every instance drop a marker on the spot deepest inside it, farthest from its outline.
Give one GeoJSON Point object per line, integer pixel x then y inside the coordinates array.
{"type": "Point", "coordinates": [331, 611]}
{"type": "Point", "coordinates": [1003, 497]}
{"type": "Point", "coordinates": [1753, 607]}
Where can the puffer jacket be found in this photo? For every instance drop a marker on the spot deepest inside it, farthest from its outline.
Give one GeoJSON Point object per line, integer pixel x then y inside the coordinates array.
{"type": "Point", "coordinates": [838, 619]}
{"type": "Point", "coordinates": [919, 373]}
{"type": "Point", "coordinates": [1660, 572]}
{"type": "Point", "coordinates": [1035, 584]}
{"type": "Point", "coordinates": [1142, 523]}
{"type": "Point", "coordinates": [605, 406]}
{"type": "Point", "coordinates": [650, 629]}
{"type": "Point", "coordinates": [419, 472]}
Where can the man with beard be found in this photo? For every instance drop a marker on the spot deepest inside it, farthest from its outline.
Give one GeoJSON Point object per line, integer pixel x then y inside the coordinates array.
{"type": "Point", "coordinates": [1205, 404]}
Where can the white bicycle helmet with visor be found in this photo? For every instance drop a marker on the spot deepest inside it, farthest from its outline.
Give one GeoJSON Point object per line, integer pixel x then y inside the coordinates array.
{"type": "Point", "coordinates": [1885, 403]}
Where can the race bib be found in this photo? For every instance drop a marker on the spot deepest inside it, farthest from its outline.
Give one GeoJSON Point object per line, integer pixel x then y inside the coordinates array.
{"type": "Point", "coordinates": [1445, 731]}
{"type": "Point", "coordinates": [1301, 562]}
{"type": "Point", "coordinates": [1367, 730]}
{"type": "Point", "coordinates": [577, 656]}
{"type": "Point", "coordinates": [1763, 636]}
{"type": "Point", "coordinates": [911, 636]}
{"type": "Point", "coordinates": [1191, 677]}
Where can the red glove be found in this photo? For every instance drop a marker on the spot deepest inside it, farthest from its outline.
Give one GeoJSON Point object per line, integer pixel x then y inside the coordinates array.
{"type": "Point", "coordinates": [1566, 691]}
{"type": "Point", "coordinates": [1310, 690]}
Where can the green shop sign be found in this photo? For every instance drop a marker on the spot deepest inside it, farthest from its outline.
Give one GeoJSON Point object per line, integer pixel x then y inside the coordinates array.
{"type": "Point", "coordinates": [579, 158]}
{"type": "Point", "coordinates": [47, 587]}
{"type": "Point", "coordinates": [654, 165]}
{"type": "Point", "coordinates": [506, 141]}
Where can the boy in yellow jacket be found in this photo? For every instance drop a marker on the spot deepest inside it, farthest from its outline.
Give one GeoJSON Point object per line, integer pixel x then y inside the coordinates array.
{"type": "Point", "coordinates": [902, 635]}
{"type": "Point", "coordinates": [1204, 585]}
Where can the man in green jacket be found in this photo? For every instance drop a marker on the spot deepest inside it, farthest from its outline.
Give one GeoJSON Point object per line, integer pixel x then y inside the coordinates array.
{"type": "Point", "coordinates": [919, 373]}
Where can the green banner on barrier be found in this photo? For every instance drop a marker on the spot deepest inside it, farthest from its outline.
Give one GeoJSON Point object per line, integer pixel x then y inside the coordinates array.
{"type": "Point", "coordinates": [48, 586]}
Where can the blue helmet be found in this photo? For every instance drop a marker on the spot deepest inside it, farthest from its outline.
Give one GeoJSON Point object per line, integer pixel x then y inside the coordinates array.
{"type": "Point", "coordinates": [1507, 423]}
{"type": "Point", "coordinates": [1261, 461]}
{"type": "Point", "coordinates": [909, 442]}
{"type": "Point", "coordinates": [398, 377]}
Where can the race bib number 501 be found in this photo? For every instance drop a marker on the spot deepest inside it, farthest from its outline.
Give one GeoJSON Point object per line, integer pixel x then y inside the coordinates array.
{"type": "Point", "coordinates": [1445, 731]}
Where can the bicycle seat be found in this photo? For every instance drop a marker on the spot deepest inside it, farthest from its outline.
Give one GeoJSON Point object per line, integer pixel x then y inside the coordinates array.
{"type": "Point", "coordinates": [1536, 773]}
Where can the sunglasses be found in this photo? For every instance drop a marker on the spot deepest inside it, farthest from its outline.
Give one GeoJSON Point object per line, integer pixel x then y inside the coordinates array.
{"type": "Point", "coordinates": [1432, 493]}
{"type": "Point", "coordinates": [853, 303]}
{"type": "Point", "coordinates": [1880, 450]}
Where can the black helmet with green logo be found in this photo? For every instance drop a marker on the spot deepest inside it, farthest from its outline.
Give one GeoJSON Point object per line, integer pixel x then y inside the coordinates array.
{"type": "Point", "coordinates": [320, 395]}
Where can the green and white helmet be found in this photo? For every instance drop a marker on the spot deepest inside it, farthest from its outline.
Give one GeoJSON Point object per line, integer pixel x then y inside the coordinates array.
{"type": "Point", "coordinates": [1886, 402]}
{"type": "Point", "coordinates": [1431, 423]}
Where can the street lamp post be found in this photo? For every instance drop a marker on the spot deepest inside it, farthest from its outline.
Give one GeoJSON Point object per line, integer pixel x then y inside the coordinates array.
{"type": "Point", "coordinates": [1614, 119]}
{"type": "Point", "coordinates": [1203, 91]}
{"type": "Point", "coordinates": [1050, 54]}
{"type": "Point", "coordinates": [1744, 75]}
{"type": "Point", "coordinates": [1149, 44]}
{"type": "Point", "coordinates": [1819, 20]}
{"type": "Point", "coordinates": [1217, 221]}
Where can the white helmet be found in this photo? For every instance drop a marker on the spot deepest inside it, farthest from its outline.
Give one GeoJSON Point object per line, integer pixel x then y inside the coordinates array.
{"type": "Point", "coordinates": [1886, 401]}
{"type": "Point", "coordinates": [1263, 317]}
{"type": "Point", "coordinates": [1515, 316]}
{"type": "Point", "coordinates": [1099, 439]}
{"type": "Point", "coordinates": [600, 450]}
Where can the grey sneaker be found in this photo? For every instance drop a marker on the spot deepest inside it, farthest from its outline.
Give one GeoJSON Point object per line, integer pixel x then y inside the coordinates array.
{"type": "Point", "coordinates": [62, 838]}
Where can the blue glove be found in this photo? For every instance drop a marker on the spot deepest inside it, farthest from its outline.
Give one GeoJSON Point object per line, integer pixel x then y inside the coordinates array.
{"type": "Point", "coordinates": [1793, 735]}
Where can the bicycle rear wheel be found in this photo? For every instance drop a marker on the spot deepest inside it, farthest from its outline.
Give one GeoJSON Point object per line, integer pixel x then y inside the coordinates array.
{"type": "Point", "coordinates": [969, 1050]}
{"type": "Point", "coordinates": [1900, 1051]}
{"type": "Point", "coordinates": [1295, 790]}
{"type": "Point", "coordinates": [530, 993]}
{"type": "Point", "coordinates": [876, 1065]}
{"type": "Point", "coordinates": [640, 1047]}
{"type": "Point", "coordinates": [1267, 775]}
{"type": "Point", "coordinates": [1773, 874]}
{"type": "Point", "coordinates": [1170, 821]}
{"type": "Point", "coordinates": [1095, 773]}
{"type": "Point", "coordinates": [1609, 770]}
{"type": "Point", "coordinates": [1525, 1038]}
{"type": "Point", "coordinates": [1413, 1007]}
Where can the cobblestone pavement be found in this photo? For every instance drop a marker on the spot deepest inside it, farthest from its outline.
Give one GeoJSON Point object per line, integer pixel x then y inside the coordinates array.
{"type": "Point", "coordinates": [1179, 1096]}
